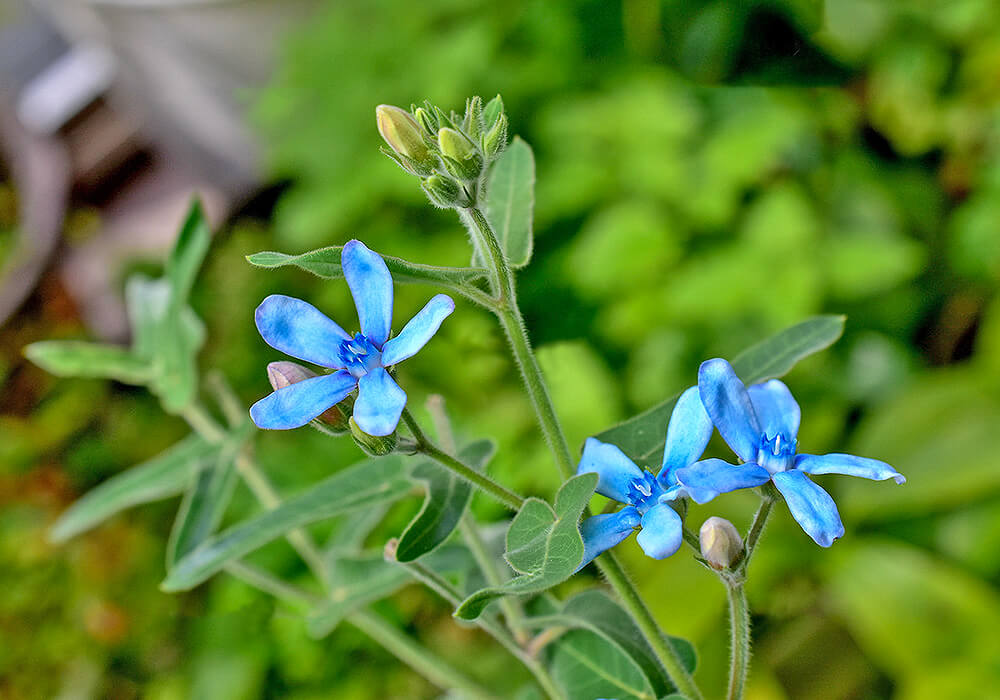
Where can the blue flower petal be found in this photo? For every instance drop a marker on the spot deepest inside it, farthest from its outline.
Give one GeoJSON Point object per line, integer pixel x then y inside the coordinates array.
{"type": "Point", "coordinates": [776, 409]}
{"type": "Point", "coordinates": [688, 434]}
{"type": "Point", "coordinates": [811, 506]}
{"type": "Point", "coordinates": [728, 404]}
{"type": "Point", "coordinates": [706, 479]}
{"type": "Point", "coordinates": [602, 532]}
{"type": "Point", "coordinates": [662, 532]}
{"type": "Point", "coordinates": [371, 287]}
{"type": "Point", "coordinates": [300, 330]}
{"type": "Point", "coordinates": [380, 403]}
{"type": "Point", "coordinates": [298, 403]}
{"type": "Point", "coordinates": [615, 469]}
{"type": "Point", "coordinates": [849, 465]}
{"type": "Point", "coordinates": [418, 331]}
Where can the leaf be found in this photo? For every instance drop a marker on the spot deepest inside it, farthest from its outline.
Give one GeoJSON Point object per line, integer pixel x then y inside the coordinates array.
{"type": "Point", "coordinates": [163, 476]}
{"type": "Point", "coordinates": [356, 581]}
{"type": "Point", "coordinates": [188, 253]}
{"type": "Point", "coordinates": [510, 201]}
{"type": "Point", "coordinates": [364, 485]}
{"type": "Point", "coordinates": [588, 666]}
{"type": "Point", "coordinates": [72, 358]}
{"type": "Point", "coordinates": [594, 611]}
{"type": "Point", "coordinates": [180, 335]}
{"type": "Point", "coordinates": [325, 263]}
{"type": "Point", "coordinates": [642, 437]}
{"type": "Point", "coordinates": [204, 504]}
{"type": "Point", "coordinates": [447, 498]}
{"type": "Point", "coordinates": [543, 545]}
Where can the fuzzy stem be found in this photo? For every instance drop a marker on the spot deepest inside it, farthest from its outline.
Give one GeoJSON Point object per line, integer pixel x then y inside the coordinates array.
{"type": "Point", "coordinates": [662, 646]}
{"type": "Point", "coordinates": [417, 657]}
{"type": "Point", "coordinates": [426, 447]}
{"type": "Point", "coordinates": [509, 315]}
{"type": "Point", "coordinates": [756, 529]}
{"type": "Point", "coordinates": [739, 631]}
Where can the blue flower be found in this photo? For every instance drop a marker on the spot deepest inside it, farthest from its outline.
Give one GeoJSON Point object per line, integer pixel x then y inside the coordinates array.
{"type": "Point", "coordinates": [646, 497]}
{"type": "Point", "coordinates": [302, 331]}
{"type": "Point", "coordinates": [761, 425]}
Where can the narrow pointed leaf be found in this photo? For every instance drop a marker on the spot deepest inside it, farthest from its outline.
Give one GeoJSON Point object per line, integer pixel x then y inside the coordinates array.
{"type": "Point", "coordinates": [71, 358]}
{"type": "Point", "coordinates": [545, 547]}
{"type": "Point", "coordinates": [367, 484]}
{"type": "Point", "coordinates": [163, 476]}
{"type": "Point", "coordinates": [447, 498]}
{"type": "Point", "coordinates": [188, 253]}
{"type": "Point", "coordinates": [641, 437]}
{"type": "Point", "coordinates": [510, 201]}
{"type": "Point", "coordinates": [325, 263]}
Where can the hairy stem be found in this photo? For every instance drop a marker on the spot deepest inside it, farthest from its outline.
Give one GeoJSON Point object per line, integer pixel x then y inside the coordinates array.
{"type": "Point", "coordinates": [419, 658]}
{"type": "Point", "coordinates": [739, 634]}
{"type": "Point", "coordinates": [509, 315]}
{"type": "Point", "coordinates": [756, 529]}
{"type": "Point", "coordinates": [662, 646]}
{"type": "Point", "coordinates": [426, 447]}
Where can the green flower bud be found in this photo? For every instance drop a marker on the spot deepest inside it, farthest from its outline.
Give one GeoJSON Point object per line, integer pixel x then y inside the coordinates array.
{"type": "Point", "coordinates": [495, 139]}
{"type": "Point", "coordinates": [492, 111]}
{"type": "Point", "coordinates": [461, 157]}
{"type": "Point", "coordinates": [402, 132]}
{"type": "Point", "coordinates": [372, 445]}
{"type": "Point", "coordinates": [473, 122]}
{"type": "Point", "coordinates": [444, 192]}
{"type": "Point", "coordinates": [721, 543]}
{"type": "Point", "coordinates": [333, 420]}
{"type": "Point", "coordinates": [427, 120]}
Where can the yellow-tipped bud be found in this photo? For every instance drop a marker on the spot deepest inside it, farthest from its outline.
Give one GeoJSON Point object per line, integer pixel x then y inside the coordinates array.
{"type": "Point", "coordinates": [721, 543]}
{"type": "Point", "coordinates": [401, 131]}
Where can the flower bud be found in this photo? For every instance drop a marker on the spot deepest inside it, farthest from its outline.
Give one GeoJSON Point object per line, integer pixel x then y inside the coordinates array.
{"type": "Point", "coordinates": [495, 139]}
{"type": "Point", "coordinates": [492, 111]}
{"type": "Point", "coordinates": [461, 157]}
{"type": "Point", "coordinates": [334, 419]}
{"type": "Point", "coordinates": [427, 120]}
{"type": "Point", "coordinates": [372, 445]}
{"type": "Point", "coordinates": [721, 544]}
{"type": "Point", "coordinates": [401, 131]}
{"type": "Point", "coordinates": [444, 192]}
{"type": "Point", "coordinates": [473, 122]}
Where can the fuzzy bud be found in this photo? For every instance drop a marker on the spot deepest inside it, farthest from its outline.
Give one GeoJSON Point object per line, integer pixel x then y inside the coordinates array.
{"type": "Point", "coordinates": [372, 445]}
{"type": "Point", "coordinates": [402, 132]}
{"type": "Point", "coordinates": [495, 139]}
{"type": "Point", "coordinates": [427, 120]}
{"type": "Point", "coordinates": [443, 192]}
{"type": "Point", "coordinates": [461, 157]}
{"type": "Point", "coordinates": [721, 543]}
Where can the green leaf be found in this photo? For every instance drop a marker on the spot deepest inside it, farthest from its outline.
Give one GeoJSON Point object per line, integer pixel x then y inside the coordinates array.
{"type": "Point", "coordinates": [356, 581]}
{"type": "Point", "coordinates": [72, 358]}
{"type": "Point", "coordinates": [364, 485]}
{"type": "Point", "coordinates": [588, 666]}
{"type": "Point", "coordinates": [163, 476]}
{"type": "Point", "coordinates": [543, 545]}
{"type": "Point", "coordinates": [510, 201]}
{"type": "Point", "coordinates": [325, 263]}
{"type": "Point", "coordinates": [594, 611]}
{"type": "Point", "coordinates": [146, 302]}
{"type": "Point", "coordinates": [181, 336]}
{"type": "Point", "coordinates": [204, 504]}
{"type": "Point", "coordinates": [188, 253]}
{"type": "Point", "coordinates": [447, 498]}
{"type": "Point", "coordinates": [642, 437]}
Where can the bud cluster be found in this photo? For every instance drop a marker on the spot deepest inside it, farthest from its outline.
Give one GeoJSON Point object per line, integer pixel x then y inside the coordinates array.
{"type": "Point", "coordinates": [449, 152]}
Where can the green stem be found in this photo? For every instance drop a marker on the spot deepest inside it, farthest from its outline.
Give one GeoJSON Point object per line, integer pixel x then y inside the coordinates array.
{"type": "Point", "coordinates": [269, 583]}
{"type": "Point", "coordinates": [488, 624]}
{"type": "Point", "coordinates": [262, 489]}
{"type": "Point", "coordinates": [426, 447]}
{"type": "Point", "coordinates": [756, 529]}
{"type": "Point", "coordinates": [661, 644]}
{"type": "Point", "coordinates": [419, 658]}
{"type": "Point", "coordinates": [509, 315]}
{"type": "Point", "coordinates": [739, 630]}
{"type": "Point", "coordinates": [511, 606]}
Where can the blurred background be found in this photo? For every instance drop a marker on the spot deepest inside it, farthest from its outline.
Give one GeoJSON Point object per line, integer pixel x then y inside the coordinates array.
{"type": "Point", "coordinates": [708, 173]}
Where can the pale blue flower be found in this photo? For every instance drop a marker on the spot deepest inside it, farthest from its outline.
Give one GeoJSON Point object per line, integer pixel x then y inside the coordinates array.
{"type": "Point", "coordinates": [761, 425]}
{"type": "Point", "coordinates": [302, 331]}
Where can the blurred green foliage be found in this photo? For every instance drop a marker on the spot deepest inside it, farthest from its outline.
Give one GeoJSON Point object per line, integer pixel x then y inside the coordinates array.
{"type": "Point", "coordinates": [706, 175]}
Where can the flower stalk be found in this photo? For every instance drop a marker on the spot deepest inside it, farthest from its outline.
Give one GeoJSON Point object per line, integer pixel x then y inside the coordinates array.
{"type": "Point", "coordinates": [739, 639]}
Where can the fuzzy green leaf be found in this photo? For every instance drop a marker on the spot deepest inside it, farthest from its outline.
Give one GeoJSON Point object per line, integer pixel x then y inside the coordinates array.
{"type": "Point", "coordinates": [447, 498]}
{"type": "Point", "coordinates": [163, 476]}
{"type": "Point", "coordinates": [188, 253]}
{"type": "Point", "coordinates": [642, 437]}
{"type": "Point", "coordinates": [510, 201]}
{"type": "Point", "coordinates": [72, 358]}
{"type": "Point", "coordinates": [587, 665]}
{"type": "Point", "coordinates": [543, 545]}
{"type": "Point", "coordinates": [364, 485]}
